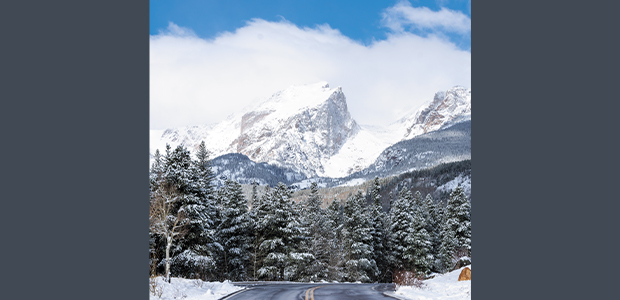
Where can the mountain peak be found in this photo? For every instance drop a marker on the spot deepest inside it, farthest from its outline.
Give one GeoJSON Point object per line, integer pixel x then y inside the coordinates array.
{"type": "Point", "coordinates": [445, 107]}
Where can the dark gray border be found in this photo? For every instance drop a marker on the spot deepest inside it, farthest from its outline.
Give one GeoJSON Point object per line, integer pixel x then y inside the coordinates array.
{"type": "Point", "coordinates": [75, 121]}
{"type": "Point", "coordinates": [543, 79]}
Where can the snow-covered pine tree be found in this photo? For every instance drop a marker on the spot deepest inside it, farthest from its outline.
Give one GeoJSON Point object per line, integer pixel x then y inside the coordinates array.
{"type": "Point", "coordinates": [458, 215]}
{"type": "Point", "coordinates": [446, 248]}
{"type": "Point", "coordinates": [314, 221]}
{"type": "Point", "coordinates": [378, 234]}
{"type": "Point", "coordinates": [357, 239]}
{"type": "Point", "coordinates": [259, 210]}
{"type": "Point", "coordinates": [433, 227]}
{"type": "Point", "coordinates": [202, 187]}
{"type": "Point", "coordinates": [234, 232]}
{"type": "Point", "coordinates": [300, 258]}
{"type": "Point", "coordinates": [157, 170]}
{"type": "Point", "coordinates": [192, 257]}
{"type": "Point", "coordinates": [277, 234]}
{"type": "Point", "coordinates": [333, 229]}
{"type": "Point", "coordinates": [400, 230]}
{"type": "Point", "coordinates": [456, 230]}
{"type": "Point", "coordinates": [419, 248]}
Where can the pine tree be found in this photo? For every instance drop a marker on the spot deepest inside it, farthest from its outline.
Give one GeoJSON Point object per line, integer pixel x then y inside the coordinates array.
{"type": "Point", "coordinates": [258, 213]}
{"type": "Point", "coordinates": [419, 249]}
{"type": "Point", "coordinates": [157, 170]}
{"type": "Point", "coordinates": [333, 228]}
{"type": "Point", "coordinates": [300, 258]}
{"type": "Point", "coordinates": [277, 233]}
{"type": "Point", "coordinates": [378, 234]}
{"type": "Point", "coordinates": [458, 216]}
{"type": "Point", "coordinates": [192, 257]}
{"type": "Point", "coordinates": [234, 232]}
{"type": "Point", "coordinates": [314, 221]}
{"type": "Point", "coordinates": [357, 239]}
{"type": "Point", "coordinates": [456, 230]}
{"type": "Point", "coordinates": [400, 231]}
{"type": "Point", "coordinates": [433, 227]}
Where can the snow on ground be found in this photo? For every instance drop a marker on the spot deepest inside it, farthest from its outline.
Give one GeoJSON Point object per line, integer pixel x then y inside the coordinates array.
{"type": "Point", "coordinates": [441, 287]}
{"type": "Point", "coordinates": [191, 289]}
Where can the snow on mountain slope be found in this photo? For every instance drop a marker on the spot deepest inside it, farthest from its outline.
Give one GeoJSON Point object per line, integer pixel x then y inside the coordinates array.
{"type": "Point", "coordinates": [360, 151]}
{"type": "Point", "coordinates": [445, 107]}
{"type": "Point", "coordinates": [308, 129]}
{"type": "Point", "coordinates": [300, 128]}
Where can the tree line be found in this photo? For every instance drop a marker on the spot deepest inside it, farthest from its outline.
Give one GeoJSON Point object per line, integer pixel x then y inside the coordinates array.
{"type": "Point", "coordinates": [199, 232]}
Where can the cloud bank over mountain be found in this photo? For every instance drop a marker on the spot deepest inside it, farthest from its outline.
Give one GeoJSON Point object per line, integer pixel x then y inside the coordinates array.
{"type": "Point", "coordinates": [198, 81]}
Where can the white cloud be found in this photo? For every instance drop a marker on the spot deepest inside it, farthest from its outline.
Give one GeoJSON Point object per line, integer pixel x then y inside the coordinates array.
{"type": "Point", "coordinates": [403, 14]}
{"type": "Point", "coordinates": [196, 81]}
{"type": "Point", "coordinates": [176, 30]}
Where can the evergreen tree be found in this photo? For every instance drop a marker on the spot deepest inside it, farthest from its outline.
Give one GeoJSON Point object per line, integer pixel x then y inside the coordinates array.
{"type": "Point", "coordinates": [357, 239]}
{"type": "Point", "coordinates": [277, 233]}
{"type": "Point", "coordinates": [419, 249]}
{"type": "Point", "coordinates": [192, 256]}
{"type": "Point", "coordinates": [378, 234]}
{"type": "Point", "coordinates": [259, 211]}
{"type": "Point", "coordinates": [333, 227]}
{"type": "Point", "coordinates": [433, 228]}
{"type": "Point", "coordinates": [314, 222]}
{"type": "Point", "coordinates": [234, 232]}
{"type": "Point", "coordinates": [458, 215]}
{"type": "Point", "coordinates": [300, 258]}
{"type": "Point", "coordinates": [157, 170]}
{"type": "Point", "coordinates": [400, 231]}
{"type": "Point", "coordinates": [456, 230]}
{"type": "Point", "coordinates": [446, 248]}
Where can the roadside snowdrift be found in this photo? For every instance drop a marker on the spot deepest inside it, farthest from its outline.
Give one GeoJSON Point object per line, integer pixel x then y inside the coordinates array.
{"type": "Point", "coordinates": [442, 287]}
{"type": "Point", "coordinates": [192, 289]}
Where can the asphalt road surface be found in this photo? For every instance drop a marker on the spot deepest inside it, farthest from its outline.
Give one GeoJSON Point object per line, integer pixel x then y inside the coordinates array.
{"type": "Point", "coordinates": [312, 291]}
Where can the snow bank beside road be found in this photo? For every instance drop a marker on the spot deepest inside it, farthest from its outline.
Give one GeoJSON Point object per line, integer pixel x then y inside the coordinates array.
{"type": "Point", "coordinates": [442, 287]}
{"type": "Point", "coordinates": [192, 289]}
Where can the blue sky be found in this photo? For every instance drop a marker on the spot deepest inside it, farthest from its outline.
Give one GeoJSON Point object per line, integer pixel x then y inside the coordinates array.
{"type": "Point", "coordinates": [208, 59]}
{"type": "Point", "coordinates": [359, 20]}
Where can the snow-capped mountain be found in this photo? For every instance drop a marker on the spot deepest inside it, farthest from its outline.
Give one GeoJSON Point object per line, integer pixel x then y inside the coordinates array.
{"type": "Point", "coordinates": [445, 145]}
{"type": "Point", "coordinates": [446, 109]}
{"type": "Point", "coordinates": [308, 129]}
{"type": "Point", "coordinates": [299, 128]}
{"type": "Point", "coordinates": [443, 109]}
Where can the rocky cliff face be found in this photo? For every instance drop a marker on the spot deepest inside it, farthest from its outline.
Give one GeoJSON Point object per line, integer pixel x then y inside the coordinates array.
{"type": "Point", "coordinates": [445, 107]}
{"type": "Point", "coordinates": [298, 128]}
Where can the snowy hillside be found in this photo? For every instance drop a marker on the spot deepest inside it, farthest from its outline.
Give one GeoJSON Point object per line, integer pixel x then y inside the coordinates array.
{"type": "Point", "coordinates": [241, 169]}
{"type": "Point", "coordinates": [424, 151]}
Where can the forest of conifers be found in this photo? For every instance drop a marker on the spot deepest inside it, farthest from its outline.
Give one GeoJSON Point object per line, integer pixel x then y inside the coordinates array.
{"type": "Point", "coordinates": [199, 232]}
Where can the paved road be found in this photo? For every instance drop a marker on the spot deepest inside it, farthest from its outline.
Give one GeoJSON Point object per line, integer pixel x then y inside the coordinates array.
{"type": "Point", "coordinates": [310, 291]}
